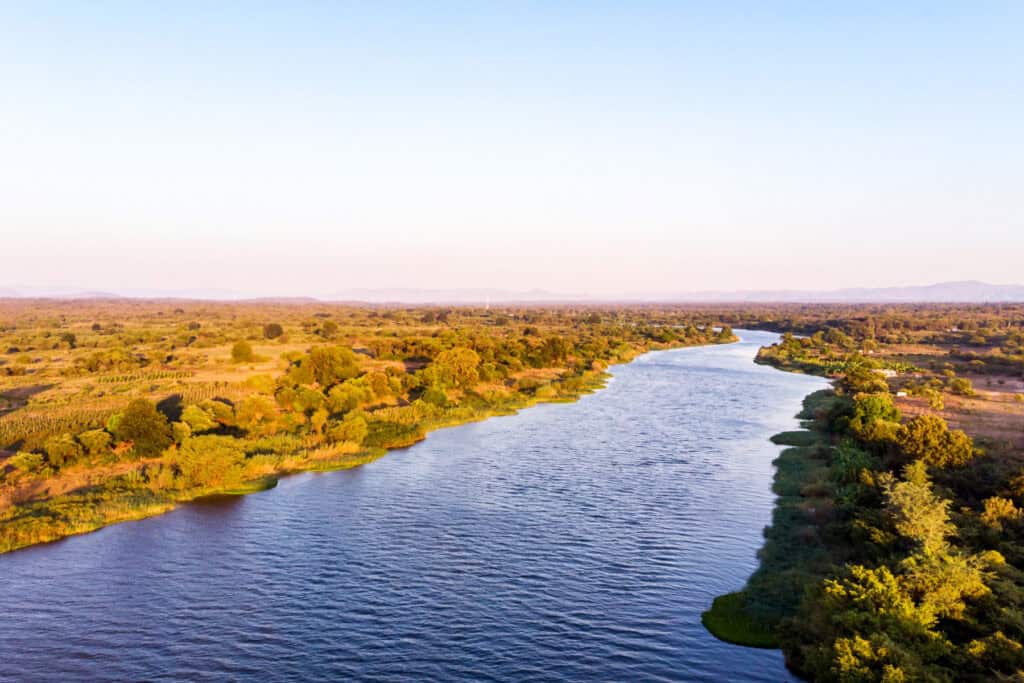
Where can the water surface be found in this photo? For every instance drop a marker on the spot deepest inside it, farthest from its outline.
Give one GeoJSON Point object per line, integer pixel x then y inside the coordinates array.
{"type": "Point", "coordinates": [569, 542]}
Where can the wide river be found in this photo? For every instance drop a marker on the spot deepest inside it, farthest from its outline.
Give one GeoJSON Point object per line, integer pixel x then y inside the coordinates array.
{"type": "Point", "coordinates": [569, 542]}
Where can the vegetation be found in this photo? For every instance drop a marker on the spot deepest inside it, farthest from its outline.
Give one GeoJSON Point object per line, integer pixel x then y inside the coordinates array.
{"type": "Point", "coordinates": [118, 410]}
{"type": "Point", "coordinates": [729, 619]}
{"type": "Point", "coordinates": [897, 540]}
{"type": "Point", "coordinates": [896, 545]}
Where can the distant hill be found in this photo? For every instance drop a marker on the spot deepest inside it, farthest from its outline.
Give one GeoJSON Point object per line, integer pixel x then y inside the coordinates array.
{"type": "Point", "coordinates": [54, 293]}
{"type": "Point", "coordinates": [452, 296]}
{"type": "Point", "coordinates": [969, 291]}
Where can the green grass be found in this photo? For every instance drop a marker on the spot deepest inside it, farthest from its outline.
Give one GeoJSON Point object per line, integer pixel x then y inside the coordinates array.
{"type": "Point", "coordinates": [727, 620]}
{"type": "Point", "coordinates": [801, 438]}
{"type": "Point", "coordinates": [793, 555]}
{"type": "Point", "coordinates": [261, 484]}
{"type": "Point", "coordinates": [817, 404]}
{"type": "Point", "coordinates": [347, 461]}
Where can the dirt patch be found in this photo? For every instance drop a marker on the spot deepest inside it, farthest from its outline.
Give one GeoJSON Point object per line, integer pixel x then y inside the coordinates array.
{"type": "Point", "coordinates": [996, 416]}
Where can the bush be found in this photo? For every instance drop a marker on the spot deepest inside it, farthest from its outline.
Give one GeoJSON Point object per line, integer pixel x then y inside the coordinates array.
{"type": "Point", "coordinates": [328, 365]}
{"type": "Point", "coordinates": [272, 331]}
{"type": "Point", "coordinates": [329, 330]}
{"type": "Point", "coordinates": [26, 462]}
{"type": "Point", "coordinates": [145, 427]}
{"type": "Point", "coordinates": [197, 419]}
{"type": "Point", "coordinates": [352, 429]}
{"type": "Point", "coordinates": [348, 396]}
{"type": "Point", "coordinates": [435, 396]}
{"type": "Point", "coordinates": [62, 450]}
{"type": "Point", "coordinates": [95, 441]}
{"type": "Point", "coordinates": [211, 461]}
{"type": "Point", "coordinates": [929, 439]}
{"type": "Point", "coordinates": [241, 352]}
{"type": "Point", "coordinates": [961, 386]}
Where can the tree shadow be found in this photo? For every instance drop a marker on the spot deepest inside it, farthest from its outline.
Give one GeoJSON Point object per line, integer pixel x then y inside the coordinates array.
{"type": "Point", "coordinates": [171, 407]}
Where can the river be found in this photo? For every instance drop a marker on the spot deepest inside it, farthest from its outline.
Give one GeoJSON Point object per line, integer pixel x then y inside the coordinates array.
{"type": "Point", "coordinates": [569, 542]}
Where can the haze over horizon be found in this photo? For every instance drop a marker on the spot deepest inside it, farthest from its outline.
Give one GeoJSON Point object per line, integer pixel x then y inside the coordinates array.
{"type": "Point", "coordinates": [600, 150]}
{"type": "Point", "coordinates": [971, 291]}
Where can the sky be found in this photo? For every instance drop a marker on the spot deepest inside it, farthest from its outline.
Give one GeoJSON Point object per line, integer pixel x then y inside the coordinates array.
{"type": "Point", "coordinates": [590, 148]}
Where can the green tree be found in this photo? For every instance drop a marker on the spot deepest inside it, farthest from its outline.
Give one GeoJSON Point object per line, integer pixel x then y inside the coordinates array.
{"type": "Point", "coordinates": [870, 629]}
{"type": "Point", "coordinates": [929, 439]}
{"type": "Point", "coordinates": [875, 418]}
{"type": "Point", "coordinates": [916, 512]}
{"type": "Point", "coordinates": [353, 428]}
{"type": "Point", "coordinates": [329, 330]}
{"type": "Point", "coordinates": [934, 397]}
{"type": "Point", "coordinates": [456, 368]}
{"type": "Point", "coordinates": [272, 331]}
{"type": "Point", "coordinates": [999, 511]}
{"type": "Point", "coordinates": [348, 396]}
{"type": "Point", "coordinates": [210, 461]}
{"type": "Point", "coordinates": [197, 419]}
{"type": "Point", "coordinates": [434, 396]}
{"type": "Point", "coordinates": [861, 379]}
{"type": "Point", "coordinates": [145, 427]}
{"type": "Point", "coordinates": [241, 352]}
{"type": "Point", "coordinates": [257, 414]}
{"type": "Point", "coordinates": [329, 365]}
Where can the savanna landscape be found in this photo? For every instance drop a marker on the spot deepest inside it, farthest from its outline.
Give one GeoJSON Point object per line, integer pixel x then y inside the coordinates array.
{"type": "Point", "coordinates": [898, 534]}
{"type": "Point", "coordinates": [511, 342]}
{"type": "Point", "coordinates": [119, 410]}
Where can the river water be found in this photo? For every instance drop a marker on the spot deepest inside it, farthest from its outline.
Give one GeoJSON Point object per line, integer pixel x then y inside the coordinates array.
{"type": "Point", "coordinates": [569, 542]}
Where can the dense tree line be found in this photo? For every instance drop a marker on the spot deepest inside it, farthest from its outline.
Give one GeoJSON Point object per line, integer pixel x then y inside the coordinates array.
{"type": "Point", "coordinates": [917, 528]}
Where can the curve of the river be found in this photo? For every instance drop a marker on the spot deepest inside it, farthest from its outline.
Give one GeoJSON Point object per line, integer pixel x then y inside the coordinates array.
{"type": "Point", "coordinates": [569, 542]}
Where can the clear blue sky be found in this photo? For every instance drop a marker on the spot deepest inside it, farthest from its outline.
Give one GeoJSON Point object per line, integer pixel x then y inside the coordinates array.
{"type": "Point", "coordinates": [603, 148]}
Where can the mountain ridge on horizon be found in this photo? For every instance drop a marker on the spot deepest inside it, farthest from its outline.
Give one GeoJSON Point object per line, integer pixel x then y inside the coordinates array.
{"type": "Point", "coordinates": [961, 291]}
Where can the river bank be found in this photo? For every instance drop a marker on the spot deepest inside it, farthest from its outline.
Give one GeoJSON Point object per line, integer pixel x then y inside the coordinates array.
{"type": "Point", "coordinates": [121, 499]}
{"type": "Point", "coordinates": [789, 558]}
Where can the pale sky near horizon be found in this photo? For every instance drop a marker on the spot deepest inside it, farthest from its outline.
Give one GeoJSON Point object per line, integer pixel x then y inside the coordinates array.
{"type": "Point", "coordinates": [611, 149]}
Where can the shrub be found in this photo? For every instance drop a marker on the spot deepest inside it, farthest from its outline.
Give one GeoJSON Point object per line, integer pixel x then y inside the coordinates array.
{"type": "Point", "coordinates": [435, 396]}
{"type": "Point", "coordinates": [929, 439]}
{"type": "Point", "coordinates": [257, 414]}
{"type": "Point", "coordinates": [348, 396]}
{"type": "Point", "coordinates": [145, 427]}
{"type": "Point", "coordinates": [961, 386]}
{"type": "Point", "coordinates": [353, 429]}
{"type": "Point", "coordinates": [210, 461]}
{"type": "Point", "coordinates": [95, 441]}
{"type": "Point", "coordinates": [197, 419]}
{"type": "Point", "coordinates": [329, 330]}
{"type": "Point", "coordinates": [331, 364]}
{"type": "Point", "coordinates": [26, 462]}
{"type": "Point", "coordinates": [241, 352]}
{"type": "Point", "coordinates": [62, 450]}
{"type": "Point", "coordinates": [999, 511]}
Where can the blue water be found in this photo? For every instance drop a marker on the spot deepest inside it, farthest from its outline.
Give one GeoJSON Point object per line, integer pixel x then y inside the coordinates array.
{"type": "Point", "coordinates": [569, 542]}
